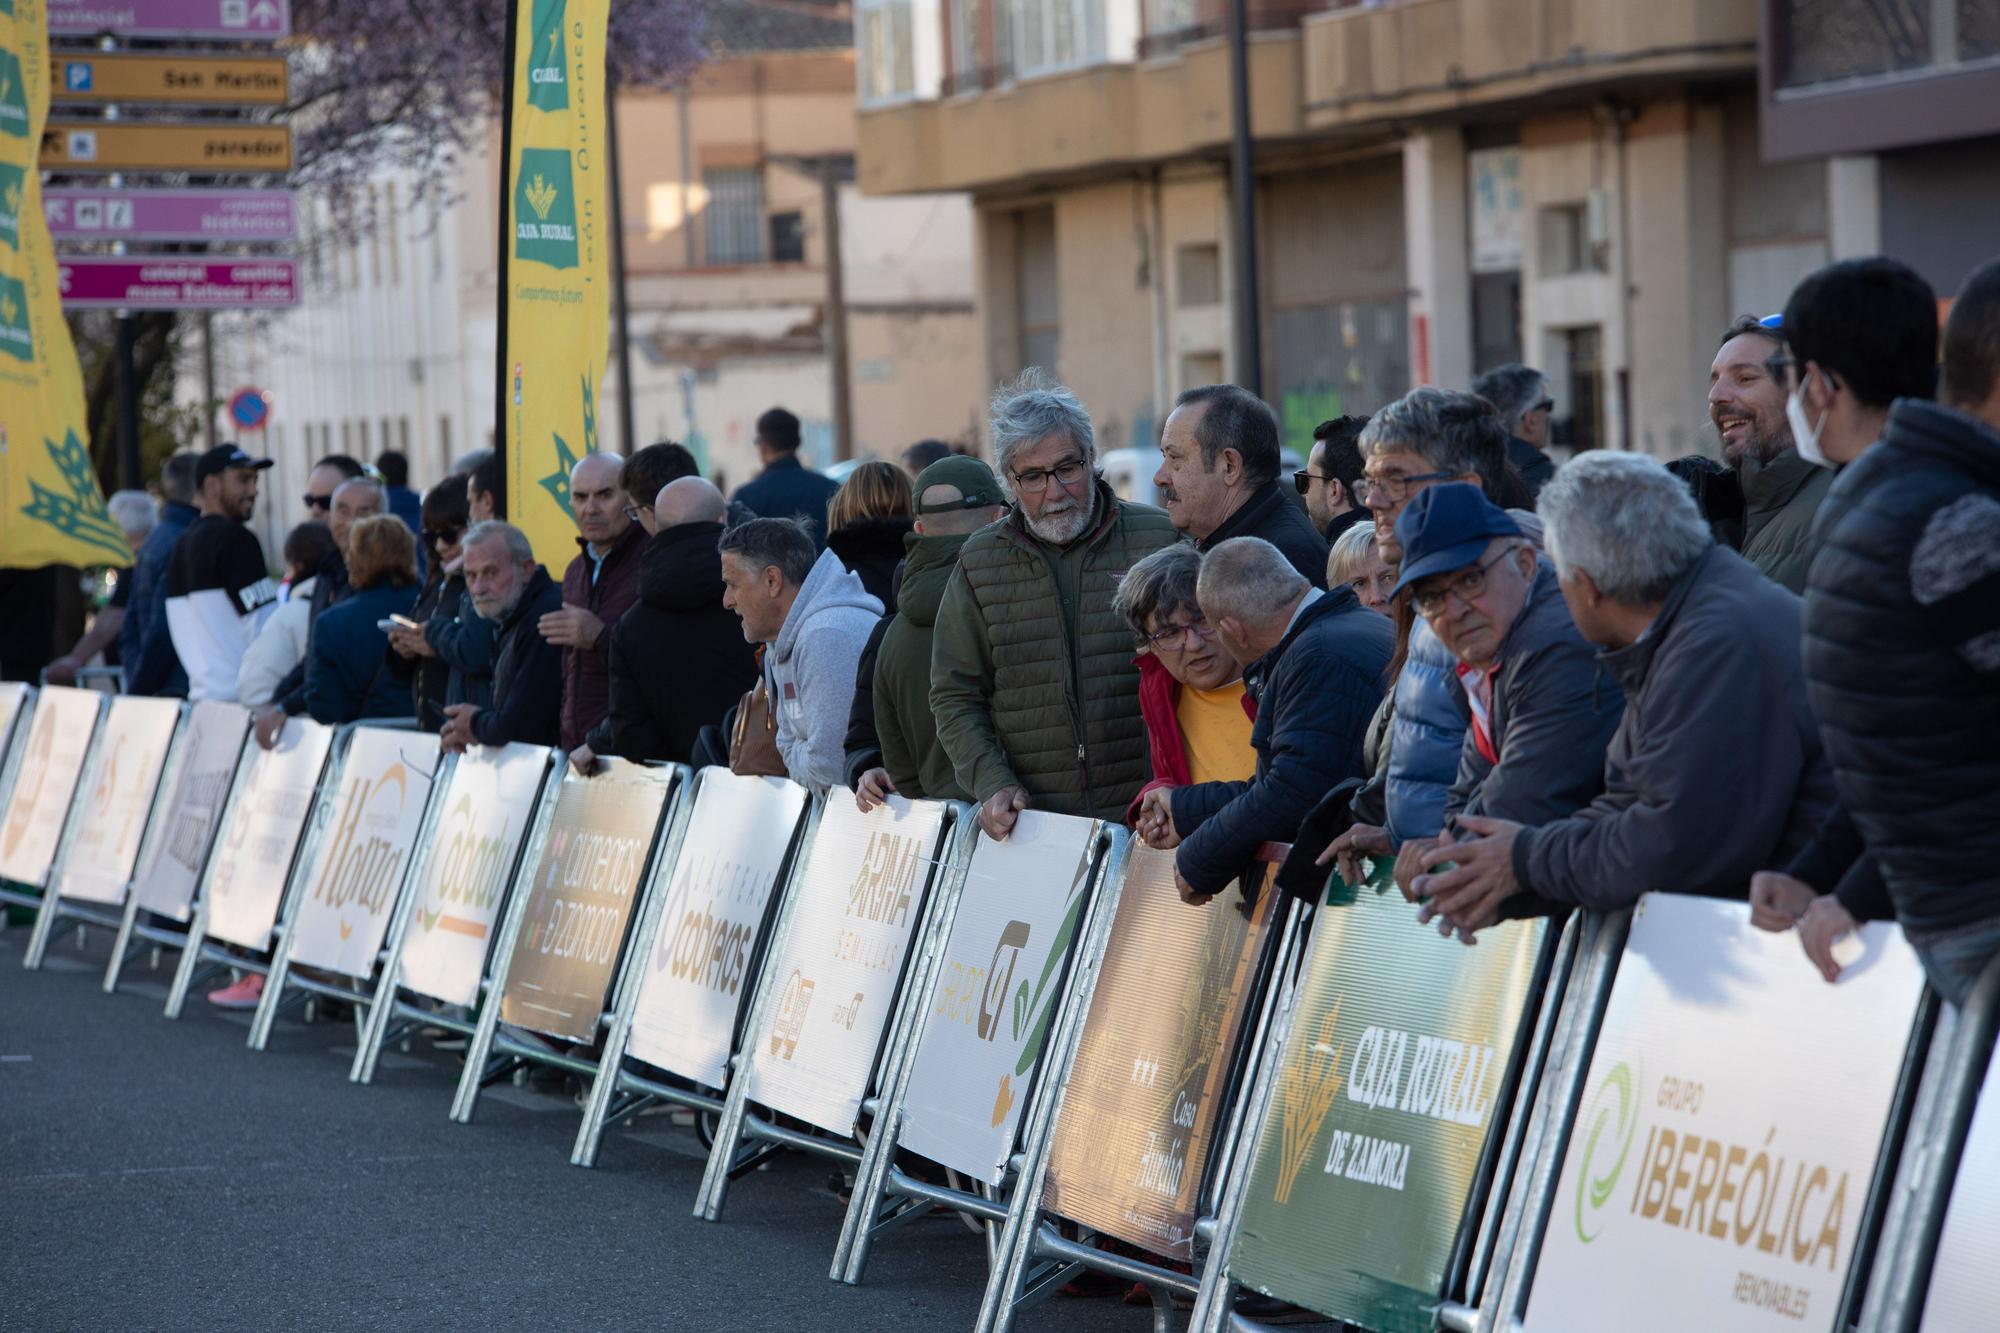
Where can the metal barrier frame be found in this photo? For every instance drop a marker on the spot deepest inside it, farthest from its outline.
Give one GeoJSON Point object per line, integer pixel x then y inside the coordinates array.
{"type": "Point", "coordinates": [357, 991]}
{"type": "Point", "coordinates": [1498, 1160]}
{"type": "Point", "coordinates": [173, 936]}
{"type": "Point", "coordinates": [1947, 1095]}
{"type": "Point", "coordinates": [744, 1139]}
{"type": "Point", "coordinates": [13, 746]}
{"type": "Point", "coordinates": [884, 1196]}
{"type": "Point", "coordinates": [54, 907]}
{"type": "Point", "coordinates": [390, 1016]}
{"type": "Point", "coordinates": [1034, 1258]}
{"type": "Point", "coordinates": [618, 1090]}
{"type": "Point", "coordinates": [11, 897]}
{"type": "Point", "coordinates": [203, 958]}
{"type": "Point", "coordinates": [491, 1053]}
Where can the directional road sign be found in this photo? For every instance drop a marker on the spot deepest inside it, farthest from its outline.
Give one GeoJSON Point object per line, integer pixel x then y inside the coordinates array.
{"type": "Point", "coordinates": [214, 148]}
{"type": "Point", "coordinates": [171, 215]}
{"type": "Point", "coordinates": [94, 78]}
{"type": "Point", "coordinates": [202, 20]}
{"type": "Point", "coordinates": [173, 283]}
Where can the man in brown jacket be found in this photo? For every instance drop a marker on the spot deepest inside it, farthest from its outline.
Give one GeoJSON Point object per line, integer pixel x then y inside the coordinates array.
{"type": "Point", "coordinates": [600, 585]}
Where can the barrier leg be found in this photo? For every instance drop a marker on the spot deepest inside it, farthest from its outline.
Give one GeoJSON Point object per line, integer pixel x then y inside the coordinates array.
{"type": "Point", "coordinates": [274, 990]}
{"type": "Point", "coordinates": [604, 1087]}
{"type": "Point", "coordinates": [728, 1135]}
{"type": "Point", "coordinates": [45, 922]}
{"type": "Point", "coordinates": [197, 940]}
{"type": "Point", "coordinates": [382, 1008]}
{"type": "Point", "coordinates": [121, 946]}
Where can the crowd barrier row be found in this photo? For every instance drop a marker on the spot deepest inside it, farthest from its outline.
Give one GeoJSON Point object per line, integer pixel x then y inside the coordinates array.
{"type": "Point", "coordinates": [1658, 1118]}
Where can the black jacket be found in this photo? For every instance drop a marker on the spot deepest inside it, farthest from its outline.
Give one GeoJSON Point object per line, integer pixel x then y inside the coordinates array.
{"type": "Point", "coordinates": [1553, 715]}
{"type": "Point", "coordinates": [330, 588]}
{"type": "Point", "coordinates": [1315, 693]}
{"type": "Point", "coordinates": [678, 658]}
{"type": "Point", "coordinates": [863, 746]}
{"type": "Point", "coordinates": [1269, 513]}
{"type": "Point", "coordinates": [428, 677]}
{"type": "Point", "coordinates": [873, 548]}
{"type": "Point", "coordinates": [1531, 465]}
{"type": "Point", "coordinates": [527, 672]}
{"type": "Point", "coordinates": [789, 489]}
{"type": "Point", "coordinates": [1716, 770]}
{"type": "Point", "coordinates": [1902, 661]}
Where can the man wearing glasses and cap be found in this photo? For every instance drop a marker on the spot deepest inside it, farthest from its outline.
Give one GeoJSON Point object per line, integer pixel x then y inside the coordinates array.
{"type": "Point", "coordinates": [1540, 716]}
{"type": "Point", "coordinates": [218, 588]}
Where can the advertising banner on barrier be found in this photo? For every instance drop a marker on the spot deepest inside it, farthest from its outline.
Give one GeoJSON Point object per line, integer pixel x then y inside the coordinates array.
{"type": "Point", "coordinates": [1387, 1089]}
{"type": "Point", "coordinates": [857, 903]}
{"type": "Point", "coordinates": [384, 782]}
{"type": "Point", "coordinates": [485, 815]}
{"type": "Point", "coordinates": [52, 764]}
{"type": "Point", "coordinates": [581, 899]}
{"type": "Point", "coordinates": [104, 843]}
{"type": "Point", "coordinates": [190, 808]}
{"type": "Point", "coordinates": [1728, 1129]}
{"type": "Point", "coordinates": [997, 993]}
{"type": "Point", "coordinates": [1150, 1075]}
{"type": "Point", "coordinates": [1965, 1283]}
{"type": "Point", "coordinates": [255, 855]}
{"type": "Point", "coordinates": [696, 977]}
{"type": "Point", "coordinates": [12, 695]}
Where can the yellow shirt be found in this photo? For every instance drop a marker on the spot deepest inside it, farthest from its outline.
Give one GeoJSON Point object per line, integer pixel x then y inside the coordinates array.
{"type": "Point", "coordinates": [1217, 733]}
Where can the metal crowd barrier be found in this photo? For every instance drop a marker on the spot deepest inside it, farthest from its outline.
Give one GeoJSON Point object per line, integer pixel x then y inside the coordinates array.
{"type": "Point", "coordinates": [745, 1136]}
{"type": "Point", "coordinates": [885, 1196]}
{"type": "Point", "coordinates": [493, 1053]}
{"type": "Point", "coordinates": [30, 715]}
{"type": "Point", "coordinates": [619, 1089]}
{"type": "Point", "coordinates": [393, 1014]}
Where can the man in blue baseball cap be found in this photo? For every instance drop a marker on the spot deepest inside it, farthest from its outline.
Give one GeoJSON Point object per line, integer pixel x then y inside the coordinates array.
{"type": "Point", "coordinates": [1540, 721]}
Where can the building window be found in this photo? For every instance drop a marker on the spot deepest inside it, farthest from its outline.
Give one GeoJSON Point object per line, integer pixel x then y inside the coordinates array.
{"type": "Point", "coordinates": [788, 238]}
{"type": "Point", "coordinates": [733, 222]}
{"type": "Point", "coordinates": [1198, 275]}
{"type": "Point", "coordinates": [885, 49]}
{"type": "Point", "coordinates": [966, 16]}
{"type": "Point", "coordinates": [1051, 35]}
{"type": "Point", "coordinates": [1569, 238]}
{"type": "Point", "coordinates": [1036, 291]}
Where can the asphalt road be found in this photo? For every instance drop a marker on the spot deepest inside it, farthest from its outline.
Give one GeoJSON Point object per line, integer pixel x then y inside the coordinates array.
{"type": "Point", "coordinates": [160, 1175]}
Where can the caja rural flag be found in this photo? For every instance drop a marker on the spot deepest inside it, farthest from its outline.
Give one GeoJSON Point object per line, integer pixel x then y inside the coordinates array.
{"type": "Point", "coordinates": [558, 274]}
{"type": "Point", "coordinates": [51, 510]}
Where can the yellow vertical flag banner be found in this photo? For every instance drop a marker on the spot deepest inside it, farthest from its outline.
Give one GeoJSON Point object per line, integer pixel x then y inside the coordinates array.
{"type": "Point", "coordinates": [558, 271]}
{"type": "Point", "coordinates": [51, 510]}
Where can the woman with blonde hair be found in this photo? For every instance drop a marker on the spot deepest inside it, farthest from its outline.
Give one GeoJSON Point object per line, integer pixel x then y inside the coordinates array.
{"type": "Point", "coordinates": [347, 675]}
{"type": "Point", "coordinates": [866, 522]}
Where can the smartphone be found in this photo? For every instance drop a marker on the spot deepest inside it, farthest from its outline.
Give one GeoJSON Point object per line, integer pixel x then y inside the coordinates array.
{"type": "Point", "coordinates": [386, 625]}
{"type": "Point", "coordinates": [404, 622]}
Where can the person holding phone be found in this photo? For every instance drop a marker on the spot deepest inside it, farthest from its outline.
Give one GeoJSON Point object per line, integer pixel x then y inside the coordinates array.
{"type": "Point", "coordinates": [415, 656]}
{"type": "Point", "coordinates": [347, 676]}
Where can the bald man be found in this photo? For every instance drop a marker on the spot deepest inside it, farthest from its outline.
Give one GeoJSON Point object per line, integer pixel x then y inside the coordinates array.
{"type": "Point", "coordinates": [601, 584]}
{"type": "Point", "coordinates": [678, 658]}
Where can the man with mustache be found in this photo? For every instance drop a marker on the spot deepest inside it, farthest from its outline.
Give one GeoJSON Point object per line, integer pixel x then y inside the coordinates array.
{"type": "Point", "coordinates": [1781, 491]}
{"type": "Point", "coordinates": [1032, 683]}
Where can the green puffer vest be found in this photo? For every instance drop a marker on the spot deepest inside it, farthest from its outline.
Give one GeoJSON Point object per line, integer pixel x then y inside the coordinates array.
{"type": "Point", "coordinates": [1063, 695]}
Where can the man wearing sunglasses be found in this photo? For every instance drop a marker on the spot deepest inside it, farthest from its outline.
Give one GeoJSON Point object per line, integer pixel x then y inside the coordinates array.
{"type": "Point", "coordinates": [326, 477]}
{"type": "Point", "coordinates": [1540, 721]}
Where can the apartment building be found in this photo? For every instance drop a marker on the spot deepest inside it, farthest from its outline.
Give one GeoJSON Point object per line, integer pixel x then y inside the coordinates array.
{"type": "Point", "coordinates": [1441, 186]}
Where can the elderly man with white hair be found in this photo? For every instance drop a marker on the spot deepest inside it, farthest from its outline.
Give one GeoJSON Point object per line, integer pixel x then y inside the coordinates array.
{"type": "Point", "coordinates": [1314, 666]}
{"type": "Point", "coordinates": [1715, 771]}
{"type": "Point", "coordinates": [134, 513]}
{"type": "Point", "coordinates": [1032, 682]}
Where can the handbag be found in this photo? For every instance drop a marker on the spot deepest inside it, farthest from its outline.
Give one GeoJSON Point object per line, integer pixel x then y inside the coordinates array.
{"type": "Point", "coordinates": [753, 740]}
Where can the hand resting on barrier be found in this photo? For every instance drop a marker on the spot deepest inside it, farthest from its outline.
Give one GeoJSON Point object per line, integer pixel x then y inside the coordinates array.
{"type": "Point", "coordinates": [1156, 820]}
{"type": "Point", "coordinates": [1358, 841]}
{"type": "Point", "coordinates": [999, 812]}
{"type": "Point", "coordinates": [1821, 930]}
{"type": "Point", "coordinates": [1467, 896]}
{"type": "Point", "coordinates": [1778, 901]}
{"type": "Point", "coordinates": [873, 789]}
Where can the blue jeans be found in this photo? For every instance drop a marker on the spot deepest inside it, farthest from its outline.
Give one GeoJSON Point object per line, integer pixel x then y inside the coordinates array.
{"type": "Point", "coordinates": [1955, 958]}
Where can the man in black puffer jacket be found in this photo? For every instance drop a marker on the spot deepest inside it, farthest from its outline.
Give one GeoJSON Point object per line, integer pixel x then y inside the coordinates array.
{"type": "Point", "coordinates": [1902, 652]}
{"type": "Point", "coordinates": [509, 590]}
{"type": "Point", "coordinates": [678, 657]}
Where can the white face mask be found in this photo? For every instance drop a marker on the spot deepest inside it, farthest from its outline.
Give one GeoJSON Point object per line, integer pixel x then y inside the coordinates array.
{"type": "Point", "coordinates": [1805, 434]}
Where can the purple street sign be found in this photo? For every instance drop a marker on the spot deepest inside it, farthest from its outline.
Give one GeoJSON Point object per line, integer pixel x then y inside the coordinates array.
{"type": "Point", "coordinates": [207, 20]}
{"type": "Point", "coordinates": [164, 283]}
{"type": "Point", "coordinates": [170, 215]}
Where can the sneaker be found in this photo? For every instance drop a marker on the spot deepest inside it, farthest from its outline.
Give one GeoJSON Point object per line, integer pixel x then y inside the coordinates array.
{"type": "Point", "coordinates": [243, 995]}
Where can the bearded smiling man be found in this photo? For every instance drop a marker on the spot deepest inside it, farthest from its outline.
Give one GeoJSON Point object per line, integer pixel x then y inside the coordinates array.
{"type": "Point", "coordinates": [1032, 682]}
{"type": "Point", "coordinates": [1781, 490]}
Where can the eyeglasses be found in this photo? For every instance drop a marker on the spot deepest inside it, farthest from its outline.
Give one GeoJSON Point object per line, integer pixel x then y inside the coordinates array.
{"type": "Point", "coordinates": [1546, 405]}
{"type": "Point", "coordinates": [1467, 585]}
{"type": "Point", "coordinates": [1779, 366]}
{"type": "Point", "coordinates": [1176, 636]}
{"type": "Point", "coordinates": [1036, 480]}
{"type": "Point", "coordinates": [318, 501]}
{"type": "Point", "coordinates": [1304, 478]}
{"type": "Point", "coordinates": [1393, 489]}
{"type": "Point", "coordinates": [632, 512]}
{"type": "Point", "coordinates": [442, 536]}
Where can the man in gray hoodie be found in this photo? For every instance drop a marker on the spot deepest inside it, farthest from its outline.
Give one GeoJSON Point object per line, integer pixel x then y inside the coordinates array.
{"type": "Point", "coordinates": [816, 618]}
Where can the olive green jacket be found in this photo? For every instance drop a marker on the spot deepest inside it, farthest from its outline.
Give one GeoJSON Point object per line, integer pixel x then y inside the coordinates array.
{"type": "Point", "coordinates": [1780, 499]}
{"type": "Point", "coordinates": [911, 751]}
{"type": "Point", "coordinates": [1032, 682]}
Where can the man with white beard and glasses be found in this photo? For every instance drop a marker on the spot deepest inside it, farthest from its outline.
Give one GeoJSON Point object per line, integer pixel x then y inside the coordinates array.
{"type": "Point", "coordinates": [1032, 682]}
